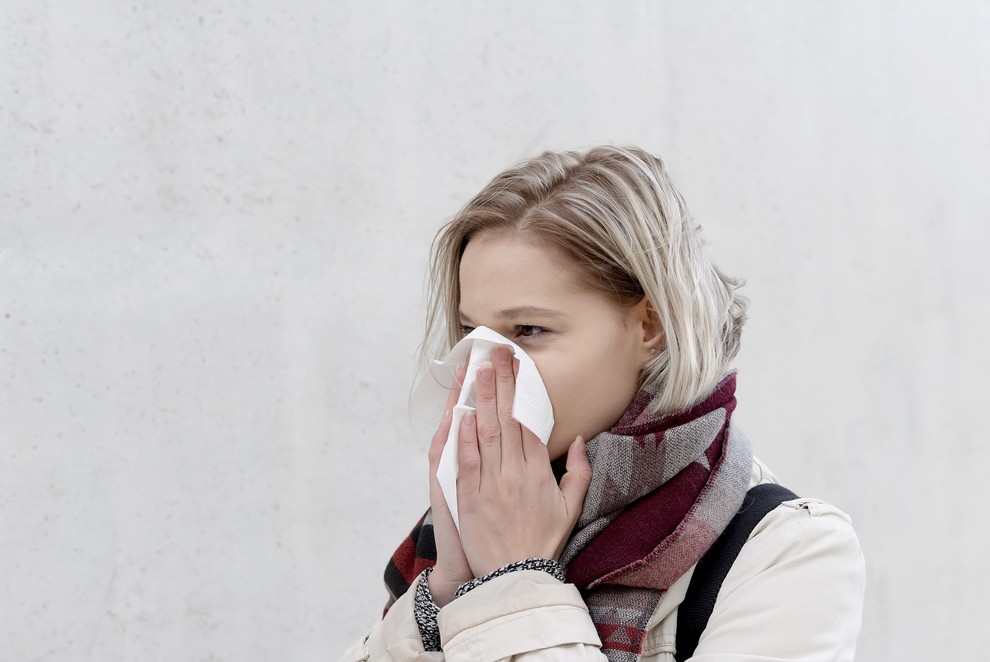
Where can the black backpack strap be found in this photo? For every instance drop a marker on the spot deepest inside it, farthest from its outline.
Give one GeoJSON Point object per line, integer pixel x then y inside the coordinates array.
{"type": "Point", "coordinates": [693, 613]}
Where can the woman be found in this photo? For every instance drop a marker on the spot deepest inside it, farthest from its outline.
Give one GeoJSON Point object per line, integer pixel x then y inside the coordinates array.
{"type": "Point", "coordinates": [592, 265]}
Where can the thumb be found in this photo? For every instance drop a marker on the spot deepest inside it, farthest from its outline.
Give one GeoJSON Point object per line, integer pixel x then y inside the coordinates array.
{"type": "Point", "coordinates": [575, 482]}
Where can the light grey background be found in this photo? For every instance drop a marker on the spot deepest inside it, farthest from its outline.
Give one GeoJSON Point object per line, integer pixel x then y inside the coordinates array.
{"type": "Point", "coordinates": [214, 222]}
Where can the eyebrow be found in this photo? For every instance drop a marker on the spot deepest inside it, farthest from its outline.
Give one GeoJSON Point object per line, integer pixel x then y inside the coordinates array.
{"type": "Point", "coordinates": [518, 311]}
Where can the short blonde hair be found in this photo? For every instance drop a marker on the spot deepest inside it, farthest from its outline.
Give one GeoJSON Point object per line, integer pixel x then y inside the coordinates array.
{"type": "Point", "coordinates": [616, 214]}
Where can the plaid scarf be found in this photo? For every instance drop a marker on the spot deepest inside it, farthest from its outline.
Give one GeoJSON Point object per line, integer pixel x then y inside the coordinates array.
{"type": "Point", "coordinates": [663, 489]}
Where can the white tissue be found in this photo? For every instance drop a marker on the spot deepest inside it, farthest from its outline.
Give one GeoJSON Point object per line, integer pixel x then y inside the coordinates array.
{"type": "Point", "coordinates": [530, 407]}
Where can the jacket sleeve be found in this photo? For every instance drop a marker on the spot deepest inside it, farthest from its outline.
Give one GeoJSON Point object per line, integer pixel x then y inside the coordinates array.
{"type": "Point", "coordinates": [795, 592]}
{"type": "Point", "coordinates": [395, 638]}
{"type": "Point", "coordinates": [525, 616]}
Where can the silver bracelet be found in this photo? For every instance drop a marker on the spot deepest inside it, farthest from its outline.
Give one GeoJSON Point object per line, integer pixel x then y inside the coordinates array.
{"type": "Point", "coordinates": [426, 612]}
{"type": "Point", "coordinates": [548, 566]}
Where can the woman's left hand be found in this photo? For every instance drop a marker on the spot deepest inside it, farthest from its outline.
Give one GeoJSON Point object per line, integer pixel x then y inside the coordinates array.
{"type": "Point", "coordinates": [509, 504]}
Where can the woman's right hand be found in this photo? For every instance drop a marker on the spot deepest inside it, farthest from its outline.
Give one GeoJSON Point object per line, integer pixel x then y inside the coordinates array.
{"type": "Point", "coordinates": [452, 568]}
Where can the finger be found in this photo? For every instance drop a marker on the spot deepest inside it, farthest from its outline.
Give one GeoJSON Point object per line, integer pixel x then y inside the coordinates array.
{"type": "Point", "coordinates": [488, 430]}
{"type": "Point", "coordinates": [505, 392]}
{"type": "Point", "coordinates": [534, 451]}
{"type": "Point", "coordinates": [441, 513]}
{"type": "Point", "coordinates": [575, 482]}
{"type": "Point", "coordinates": [455, 388]}
{"type": "Point", "coordinates": [443, 431]}
{"type": "Point", "coordinates": [468, 458]}
{"type": "Point", "coordinates": [440, 440]}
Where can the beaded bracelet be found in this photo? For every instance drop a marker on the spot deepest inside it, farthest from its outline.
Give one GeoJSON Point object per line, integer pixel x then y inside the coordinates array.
{"type": "Point", "coordinates": [426, 611]}
{"type": "Point", "coordinates": [548, 566]}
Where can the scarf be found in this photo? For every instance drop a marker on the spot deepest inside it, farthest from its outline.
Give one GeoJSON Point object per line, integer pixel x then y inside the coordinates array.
{"type": "Point", "coordinates": [663, 489]}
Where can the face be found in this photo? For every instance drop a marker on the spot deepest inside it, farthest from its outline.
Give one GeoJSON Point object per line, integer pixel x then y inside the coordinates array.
{"type": "Point", "coordinates": [588, 349]}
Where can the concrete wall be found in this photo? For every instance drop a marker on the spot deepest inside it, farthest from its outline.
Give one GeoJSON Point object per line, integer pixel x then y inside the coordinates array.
{"type": "Point", "coordinates": [214, 220]}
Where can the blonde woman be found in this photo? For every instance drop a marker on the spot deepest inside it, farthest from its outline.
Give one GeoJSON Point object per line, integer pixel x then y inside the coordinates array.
{"type": "Point", "coordinates": [585, 548]}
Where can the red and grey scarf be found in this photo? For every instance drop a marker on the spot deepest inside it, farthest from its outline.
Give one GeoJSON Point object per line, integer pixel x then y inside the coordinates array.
{"type": "Point", "coordinates": [663, 488]}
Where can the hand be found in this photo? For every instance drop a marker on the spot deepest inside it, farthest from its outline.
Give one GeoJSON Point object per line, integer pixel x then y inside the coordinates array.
{"type": "Point", "coordinates": [509, 503]}
{"type": "Point", "coordinates": [452, 568]}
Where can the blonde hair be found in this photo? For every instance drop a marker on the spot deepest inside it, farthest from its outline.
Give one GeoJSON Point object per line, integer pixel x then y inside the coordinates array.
{"type": "Point", "coordinates": [616, 214]}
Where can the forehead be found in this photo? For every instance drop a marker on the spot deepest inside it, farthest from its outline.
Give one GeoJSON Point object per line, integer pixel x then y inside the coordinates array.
{"type": "Point", "coordinates": [507, 270]}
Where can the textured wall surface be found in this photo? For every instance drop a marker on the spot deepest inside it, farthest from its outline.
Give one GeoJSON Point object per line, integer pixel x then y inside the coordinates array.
{"type": "Point", "coordinates": [214, 221]}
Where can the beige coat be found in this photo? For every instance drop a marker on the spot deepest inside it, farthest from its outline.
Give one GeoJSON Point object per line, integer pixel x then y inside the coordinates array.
{"type": "Point", "coordinates": [795, 592]}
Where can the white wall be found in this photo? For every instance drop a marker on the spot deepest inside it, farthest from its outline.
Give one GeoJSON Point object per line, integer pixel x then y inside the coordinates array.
{"type": "Point", "coordinates": [214, 219]}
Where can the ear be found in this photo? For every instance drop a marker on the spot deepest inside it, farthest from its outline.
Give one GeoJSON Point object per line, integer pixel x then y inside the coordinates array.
{"type": "Point", "coordinates": [652, 338]}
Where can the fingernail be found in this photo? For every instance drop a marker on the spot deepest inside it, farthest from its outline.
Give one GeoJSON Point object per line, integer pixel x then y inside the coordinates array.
{"type": "Point", "coordinates": [468, 420]}
{"type": "Point", "coordinates": [502, 354]}
{"type": "Point", "coordinates": [486, 373]}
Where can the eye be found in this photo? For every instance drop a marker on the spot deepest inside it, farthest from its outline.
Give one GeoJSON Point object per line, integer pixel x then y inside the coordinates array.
{"type": "Point", "coordinates": [528, 331]}
{"type": "Point", "coordinates": [466, 329]}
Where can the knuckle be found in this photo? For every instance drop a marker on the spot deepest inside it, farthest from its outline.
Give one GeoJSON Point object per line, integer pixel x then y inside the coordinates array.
{"type": "Point", "coordinates": [489, 434]}
{"type": "Point", "coordinates": [533, 445]}
{"type": "Point", "coordinates": [436, 446]}
{"type": "Point", "coordinates": [434, 454]}
{"type": "Point", "coordinates": [470, 464]}
{"type": "Point", "coordinates": [505, 412]}
{"type": "Point", "coordinates": [486, 396]}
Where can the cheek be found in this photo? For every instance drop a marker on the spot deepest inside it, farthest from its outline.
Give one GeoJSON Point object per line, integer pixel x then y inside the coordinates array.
{"type": "Point", "coordinates": [588, 397]}
{"type": "Point", "coordinates": [563, 382]}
